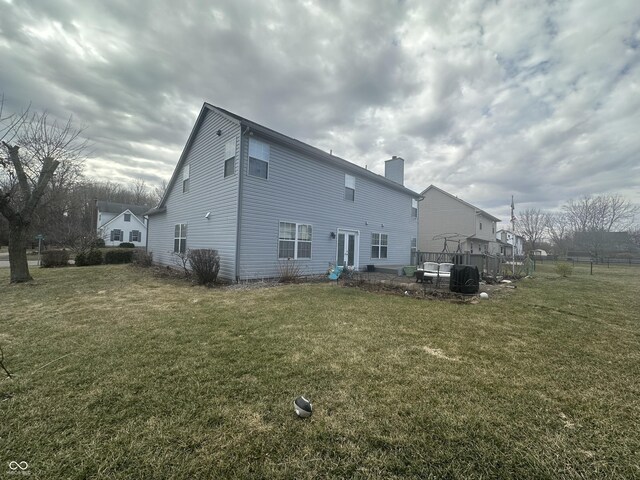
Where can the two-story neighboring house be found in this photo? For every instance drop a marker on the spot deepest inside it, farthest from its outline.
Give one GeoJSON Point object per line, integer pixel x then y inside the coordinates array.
{"type": "Point", "coordinates": [512, 239]}
{"type": "Point", "coordinates": [120, 222]}
{"type": "Point", "coordinates": [262, 198]}
{"type": "Point", "coordinates": [445, 216]}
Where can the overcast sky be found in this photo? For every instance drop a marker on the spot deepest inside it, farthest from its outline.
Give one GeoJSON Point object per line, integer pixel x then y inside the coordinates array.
{"type": "Point", "coordinates": [484, 99]}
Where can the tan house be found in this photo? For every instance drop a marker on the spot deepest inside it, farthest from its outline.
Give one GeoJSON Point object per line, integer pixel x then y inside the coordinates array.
{"type": "Point", "coordinates": [443, 217]}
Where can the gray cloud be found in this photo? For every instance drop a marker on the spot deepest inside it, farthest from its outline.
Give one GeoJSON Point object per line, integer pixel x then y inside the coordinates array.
{"type": "Point", "coordinates": [484, 99]}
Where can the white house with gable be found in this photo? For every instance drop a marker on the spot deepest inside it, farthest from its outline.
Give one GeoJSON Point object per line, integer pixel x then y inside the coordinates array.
{"type": "Point", "coordinates": [119, 222]}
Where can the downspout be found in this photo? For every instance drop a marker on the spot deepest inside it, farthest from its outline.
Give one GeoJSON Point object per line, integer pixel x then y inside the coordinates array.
{"type": "Point", "coordinates": [420, 199]}
{"type": "Point", "coordinates": [239, 217]}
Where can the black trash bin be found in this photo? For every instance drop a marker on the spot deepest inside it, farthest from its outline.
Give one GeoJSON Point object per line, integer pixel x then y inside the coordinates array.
{"type": "Point", "coordinates": [464, 279]}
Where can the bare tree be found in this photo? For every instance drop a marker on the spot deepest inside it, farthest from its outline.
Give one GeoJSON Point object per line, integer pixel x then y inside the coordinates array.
{"type": "Point", "coordinates": [159, 192]}
{"type": "Point", "coordinates": [532, 225]}
{"type": "Point", "coordinates": [605, 213]}
{"type": "Point", "coordinates": [594, 219]}
{"type": "Point", "coordinates": [559, 231]}
{"type": "Point", "coordinates": [33, 149]}
{"type": "Point", "coordinates": [140, 192]}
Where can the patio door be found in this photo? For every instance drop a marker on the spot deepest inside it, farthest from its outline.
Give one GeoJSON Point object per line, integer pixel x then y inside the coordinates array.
{"type": "Point", "coordinates": [348, 247]}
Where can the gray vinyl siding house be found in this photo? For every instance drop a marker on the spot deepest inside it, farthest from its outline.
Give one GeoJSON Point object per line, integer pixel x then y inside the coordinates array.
{"type": "Point", "coordinates": [283, 201]}
{"type": "Point", "coordinates": [445, 215]}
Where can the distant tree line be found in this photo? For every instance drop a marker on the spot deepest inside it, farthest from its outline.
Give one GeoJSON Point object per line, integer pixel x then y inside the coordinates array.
{"type": "Point", "coordinates": [597, 226]}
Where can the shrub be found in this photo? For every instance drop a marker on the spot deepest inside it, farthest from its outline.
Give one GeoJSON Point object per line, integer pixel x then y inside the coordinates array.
{"type": "Point", "coordinates": [142, 259]}
{"type": "Point", "coordinates": [54, 258]}
{"type": "Point", "coordinates": [118, 256]}
{"type": "Point", "coordinates": [98, 243]}
{"type": "Point", "coordinates": [205, 264]}
{"type": "Point", "coordinates": [288, 270]}
{"type": "Point", "coordinates": [127, 245]}
{"type": "Point", "coordinates": [91, 257]}
{"type": "Point", "coordinates": [564, 269]}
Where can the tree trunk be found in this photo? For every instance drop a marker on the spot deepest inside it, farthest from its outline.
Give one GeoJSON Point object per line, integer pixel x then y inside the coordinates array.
{"type": "Point", "coordinates": [18, 235]}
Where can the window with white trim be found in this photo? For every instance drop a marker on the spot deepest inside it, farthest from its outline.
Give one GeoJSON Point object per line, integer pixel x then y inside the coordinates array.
{"type": "Point", "coordinates": [379, 244]}
{"type": "Point", "coordinates": [414, 244]}
{"type": "Point", "coordinates": [116, 235]}
{"type": "Point", "coordinates": [414, 208]}
{"type": "Point", "coordinates": [127, 217]}
{"type": "Point", "coordinates": [185, 179]}
{"type": "Point", "coordinates": [180, 238]}
{"type": "Point", "coordinates": [134, 236]}
{"type": "Point", "coordinates": [480, 225]}
{"type": "Point", "coordinates": [230, 157]}
{"type": "Point", "coordinates": [349, 187]}
{"type": "Point", "coordinates": [294, 240]}
{"type": "Point", "coordinates": [258, 159]}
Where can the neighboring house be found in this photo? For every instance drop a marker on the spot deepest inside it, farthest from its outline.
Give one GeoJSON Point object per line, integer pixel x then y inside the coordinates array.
{"type": "Point", "coordinates": [538, 252]}
{"type": "Point", "coordinates": [512, 239]}
{"type": "Point", "coordinates": [263, 200]}
{"type": "Point", "coordinates": [506, 249]}
{"type": "Point", "coordinates": [119, 222]}
{"type": "Point", "coordinates": [443, 215]}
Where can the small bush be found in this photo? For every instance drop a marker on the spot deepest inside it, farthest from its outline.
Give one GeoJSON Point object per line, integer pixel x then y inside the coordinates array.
{"type": "Point", "coordinates": [288, 270]}
{"type": "Point", "coordinates": [564, 269]}
{"type": "Point", "coordinates": [142, 258]}
{"type": "Point", "coordinates": [91, 257]}
{"type": "Point", "coordinates": [98, 243]}
{"type": "Point", "coordinates": [127, 245]}
{"type": "Point", "coordinates": [54, 258]}
{"type": "Point", "coordinates": [118, 256]}
{"type": "Point", "coordinates": [205, 265]}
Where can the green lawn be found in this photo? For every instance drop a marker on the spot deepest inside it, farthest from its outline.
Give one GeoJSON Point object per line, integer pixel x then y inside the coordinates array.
{"type": "Point", "coordinates": [119, 374]}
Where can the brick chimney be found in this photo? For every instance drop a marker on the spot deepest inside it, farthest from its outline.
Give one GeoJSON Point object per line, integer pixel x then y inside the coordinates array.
{"type": "Point", "coordinates": [394, 169]}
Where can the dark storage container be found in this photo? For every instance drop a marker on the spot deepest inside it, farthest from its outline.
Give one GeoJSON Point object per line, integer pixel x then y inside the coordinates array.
{"type": "Point", "coordinates": [464, 279]}
{"type": "Point", "coordinates": [371, 268]}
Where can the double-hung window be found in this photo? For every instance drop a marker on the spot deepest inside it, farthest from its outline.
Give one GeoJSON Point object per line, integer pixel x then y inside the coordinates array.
{"type": "Point", "coordinates": [379, 244]}
{"type": "Point", "coordinates": [258, 159]}
{"type": "Point", "coordinates": [230, 157]}
{"type": "Point", "coordinates": [116, 235]}
{"type": "Point", "coordinates": [185, 179]}
{"type": "Point", "coordinates": [294, 241]}
{"type": "Point", "coordinates": [349, 187]}
{"type": "Point", "coordinates": [414, 208]}
{"type": "Point", "coordinates": [134, 236]}
{"type": "Point", "coordinates": [180, 238]}
{"type": "Point", "coordinates": [414, 244]}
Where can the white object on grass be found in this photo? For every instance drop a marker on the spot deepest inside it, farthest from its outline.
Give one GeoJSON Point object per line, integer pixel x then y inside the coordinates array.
{"type": "Point", "coordinates": [302, 407]}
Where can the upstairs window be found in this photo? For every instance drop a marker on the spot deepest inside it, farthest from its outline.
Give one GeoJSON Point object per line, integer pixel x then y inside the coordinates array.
{"type": "Point", "coordinates": [180, 238]}
{"type": "Point", "coordinates": [294, 240]}
{"type": "Point", "coordinates": [493, 228]}
{"type": "Point", "coordinates": [349, 187]}
{"type": "Point", "coordinates": [230, 157]}
{"type": "Point", "coordinates": [379, 244]}
{"type": "Point", "coordinates": [127, 217]}
{"type": "Point", "coordinates": [480, 225]}
{"type": "Point", "coordinates": [134, 236]}
{"type": "Point", "coordinates": [116, 235]}
{"type": "Point", "coordinates": [258, 159]}
{"type": "Point", "coordinates": [414, 208]}
{"type": "Point", "coordinates": [185, 179]}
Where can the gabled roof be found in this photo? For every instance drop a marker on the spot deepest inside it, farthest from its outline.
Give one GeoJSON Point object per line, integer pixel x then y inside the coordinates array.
{"type": "Point", "coordinates": [113, 207]}
{"type": "Point", "coordinates": [279, 138]}
{"type": "Point", "coordinates": [478, 210]}
{"type": "Point", "coordinates": [120, 215]}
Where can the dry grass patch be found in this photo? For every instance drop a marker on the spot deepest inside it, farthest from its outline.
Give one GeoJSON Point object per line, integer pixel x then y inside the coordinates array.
{"type": "Point", "coordinates": [120, 374]}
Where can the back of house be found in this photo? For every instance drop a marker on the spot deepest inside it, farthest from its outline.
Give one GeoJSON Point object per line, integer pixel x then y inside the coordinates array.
{"type": "Point", "coordinates": [266, 202]}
